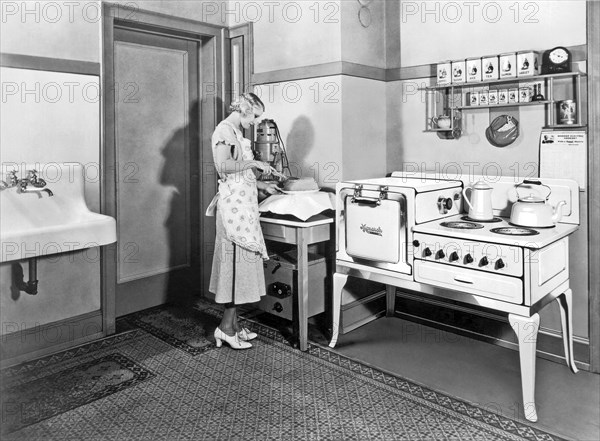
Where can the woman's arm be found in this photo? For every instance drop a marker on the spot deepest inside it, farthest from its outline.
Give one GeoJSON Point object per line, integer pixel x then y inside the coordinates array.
{"type": "Point", "coordinates": [268, 187]}
{"type": "Point", "coordinates": [226, 164]}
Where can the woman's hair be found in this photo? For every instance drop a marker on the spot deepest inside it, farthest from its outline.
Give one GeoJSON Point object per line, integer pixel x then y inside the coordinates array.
{"type": "Point", "coordinates": [246, 103]}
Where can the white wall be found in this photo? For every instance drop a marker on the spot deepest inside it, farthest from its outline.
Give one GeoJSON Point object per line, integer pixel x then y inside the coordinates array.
{"type": "Point", "coordinates": [363, 128]}
{"type": "Point", "coordinates": [309, 116]}
{"type": "Point", "coordinates": [343, 117]}
{"type": "Point", "coordinates": [292, 34]}
{"type": "Point", "coordinates": [433, 31]}
{"type": "Point", "coordinates": [68, 30]}
{"type": "Point", "coordinates": [363, 45]}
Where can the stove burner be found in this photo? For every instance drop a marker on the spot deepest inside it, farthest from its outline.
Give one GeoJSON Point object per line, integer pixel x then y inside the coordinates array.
{"type": "Point", "coordinates": [515, 231]}
{"type": "Point", "coordinates": [461, 225]}
{"type": "Point", "coordinates": [493, 220]}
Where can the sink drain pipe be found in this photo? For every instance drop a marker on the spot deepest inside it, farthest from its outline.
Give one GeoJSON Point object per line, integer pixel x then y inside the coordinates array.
{"type": "Point", "coordinates": [31, 286]}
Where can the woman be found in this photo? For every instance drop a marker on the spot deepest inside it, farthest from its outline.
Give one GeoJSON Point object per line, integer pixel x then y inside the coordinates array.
{"type": "Point", "coordinates": [237, 272]}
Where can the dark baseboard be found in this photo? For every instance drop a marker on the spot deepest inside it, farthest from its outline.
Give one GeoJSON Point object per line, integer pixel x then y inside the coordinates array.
{"type": "Point", "coordinates": [29, 342]}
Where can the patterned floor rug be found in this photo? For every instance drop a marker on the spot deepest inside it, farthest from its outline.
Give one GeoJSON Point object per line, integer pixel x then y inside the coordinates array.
{"type": "Point", "coordinates": [145, 384]}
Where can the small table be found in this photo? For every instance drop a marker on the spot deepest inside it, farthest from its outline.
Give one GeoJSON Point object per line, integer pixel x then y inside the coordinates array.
{"type": "Point", "coordinates": [284, 229]}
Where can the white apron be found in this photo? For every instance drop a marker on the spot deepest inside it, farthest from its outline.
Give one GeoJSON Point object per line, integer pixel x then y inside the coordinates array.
{"type": "Point", "coordinates": [237, 202]}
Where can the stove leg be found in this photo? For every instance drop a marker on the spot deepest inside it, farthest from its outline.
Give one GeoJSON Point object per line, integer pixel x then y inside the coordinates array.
{"type": "Point", "coordinates": [526, 329]}
{"type": "Point", "coordinates": [339, 281]}
{"type": "Point", "coordinates": [390, 300]}
{"type": "Point", "coordinates": [565, 300]}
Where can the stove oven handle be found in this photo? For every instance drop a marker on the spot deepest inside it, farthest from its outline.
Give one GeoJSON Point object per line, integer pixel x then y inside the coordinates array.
{"type": "Point", "coordinates": [463, 280]}
{"type": "Point", "coordinates": [366, 200]}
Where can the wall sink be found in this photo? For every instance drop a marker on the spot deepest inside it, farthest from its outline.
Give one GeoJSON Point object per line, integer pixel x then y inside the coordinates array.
{"type": "Point", "coordinates": [37, 222]}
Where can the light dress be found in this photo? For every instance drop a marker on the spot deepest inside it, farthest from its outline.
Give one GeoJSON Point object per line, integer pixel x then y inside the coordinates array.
{"type": "Point", "coordinates": [237, 274]}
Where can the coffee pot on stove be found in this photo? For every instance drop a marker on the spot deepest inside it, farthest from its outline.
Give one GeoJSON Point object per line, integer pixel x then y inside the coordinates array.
{"type": "Point", "coordinates": [480, 203]}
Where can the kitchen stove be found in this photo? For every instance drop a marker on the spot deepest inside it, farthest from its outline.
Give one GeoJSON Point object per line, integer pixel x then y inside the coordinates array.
{"type": "Point", "coordinates": [414, 234]}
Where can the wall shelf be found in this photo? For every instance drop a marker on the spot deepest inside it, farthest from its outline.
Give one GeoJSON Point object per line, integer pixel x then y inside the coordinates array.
{"type": "Point", "coordinates": [565, 126]}
{"type": "Point", "coordinates": [533, 78]}
{"type": "Point", "coordinates": [450, 100]}
{"type": "Point", "coordinates": [494, 106]}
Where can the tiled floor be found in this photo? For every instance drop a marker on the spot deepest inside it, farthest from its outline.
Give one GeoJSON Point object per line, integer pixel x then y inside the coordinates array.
{"type": "Point", "coordinates": [568, 404]}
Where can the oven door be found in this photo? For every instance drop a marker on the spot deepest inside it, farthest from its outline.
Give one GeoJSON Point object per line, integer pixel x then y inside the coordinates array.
{"type": "Point", "coordinates": [372, 229]}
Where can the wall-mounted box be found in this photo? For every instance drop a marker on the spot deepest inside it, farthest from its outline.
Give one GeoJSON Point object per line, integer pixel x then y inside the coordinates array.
{"type": "Point", "coordinates": [483, 98]}
{"type": "Point", "coordinates": [444, 73]}
{"type": "Point", "coordinates": [503, 96]}
{"type": "Point", "coordinates": [473, 98]}
{"type": "Point", "coordinates": [473, 70]}
{"type": "Point", "coordinates": [528, 63]}
{"type": "Point", "coordinates": [489, 67]}
{"type": "Point", "coordinates": [524, 94]}
{"type": "Point", "coordinates": [458, 72]}
{"type": "Point", "coordinates": [508, 65]}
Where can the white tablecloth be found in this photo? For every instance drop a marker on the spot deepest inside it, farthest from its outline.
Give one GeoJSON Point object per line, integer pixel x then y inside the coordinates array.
{"type": "Point", "coordinates": [300, 205]}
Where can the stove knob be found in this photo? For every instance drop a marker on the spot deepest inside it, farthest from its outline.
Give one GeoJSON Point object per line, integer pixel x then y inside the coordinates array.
{"type": "Point", "coordinates": [440, 254]}
{"type": "Point", "coordinates": [453, 256]}
{"type": "Point", "coordinates": [416, 243]}
{"type": "Point", "coordinates": [500, 264]}
{"type": "Point", "coordinates": [484, 261]}
{"type": "Point", "coordinates": [427, 252]}
{"type": "Point", "coordinates": [444, 204]}
{"type": "Point", "coordinates": [468, 258]}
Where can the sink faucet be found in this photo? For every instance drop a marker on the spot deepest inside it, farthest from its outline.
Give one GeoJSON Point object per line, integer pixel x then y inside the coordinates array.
{"type": "Point", "coordinates": [38, 192]}
{"type": "Point", "coordinates": [22, 184]}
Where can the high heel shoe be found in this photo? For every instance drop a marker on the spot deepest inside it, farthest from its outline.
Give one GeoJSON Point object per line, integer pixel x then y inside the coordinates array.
{"type": "Point", "coordinates": [233, 340]}
{"type": "Point", "coordinates": [246, 335]}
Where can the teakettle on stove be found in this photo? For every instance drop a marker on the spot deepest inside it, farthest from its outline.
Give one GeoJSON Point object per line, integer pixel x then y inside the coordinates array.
{"type": "Point", "coordinates": [534, 211]}
{"type": "Point", "coordinates": [480, 203]}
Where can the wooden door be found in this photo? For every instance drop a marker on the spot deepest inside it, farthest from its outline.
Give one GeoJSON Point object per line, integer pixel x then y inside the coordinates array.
{"type": "Point", "coordinates": [157, 151]}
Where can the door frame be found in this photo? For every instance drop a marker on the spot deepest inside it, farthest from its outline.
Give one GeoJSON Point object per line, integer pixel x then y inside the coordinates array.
{"type": "Point", "coordinates": [593, 195]}
{"type": "Point", "coordinates": [212, 89]}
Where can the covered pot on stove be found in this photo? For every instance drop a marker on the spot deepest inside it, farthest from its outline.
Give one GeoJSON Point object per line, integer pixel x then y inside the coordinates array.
{"type": "Point", "coordinates": [533, 210]}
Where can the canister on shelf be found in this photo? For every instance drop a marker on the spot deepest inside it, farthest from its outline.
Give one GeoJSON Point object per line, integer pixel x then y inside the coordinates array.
{"type": "Point", "coordinates": [483, 98]}
{"type": "Point", "coordinates": [473, 98]}
{"type": "Point", "coordinates": [503, 96]}
{"type": "Point", "coordinates": [473, 70]}
{"type": "Point", "coordinates": [528, 63]}
{"type": "Point", "coordinates": [524, 94]}
{"type": "Point", "coordinates": [489, 67]}
{"type": "Point", "coordinates": [513, 95]}
{"type": "Point", "coordinates": [444, 73]}
{"type": "Point", "coordinates": [458, 71]}
{"type": "Point", "coordinates": [493, 97]}
{"type": "Point", "coordinates": [508, 65]}
{"type": "Point", "coordinates": [567, 112]}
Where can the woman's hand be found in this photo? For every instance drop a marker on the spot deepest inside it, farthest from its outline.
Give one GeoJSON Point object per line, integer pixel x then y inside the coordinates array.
{"type": "Point", "coordinates": [272, 188]}
{"type": "Point", "coordinates": [261, 166]}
